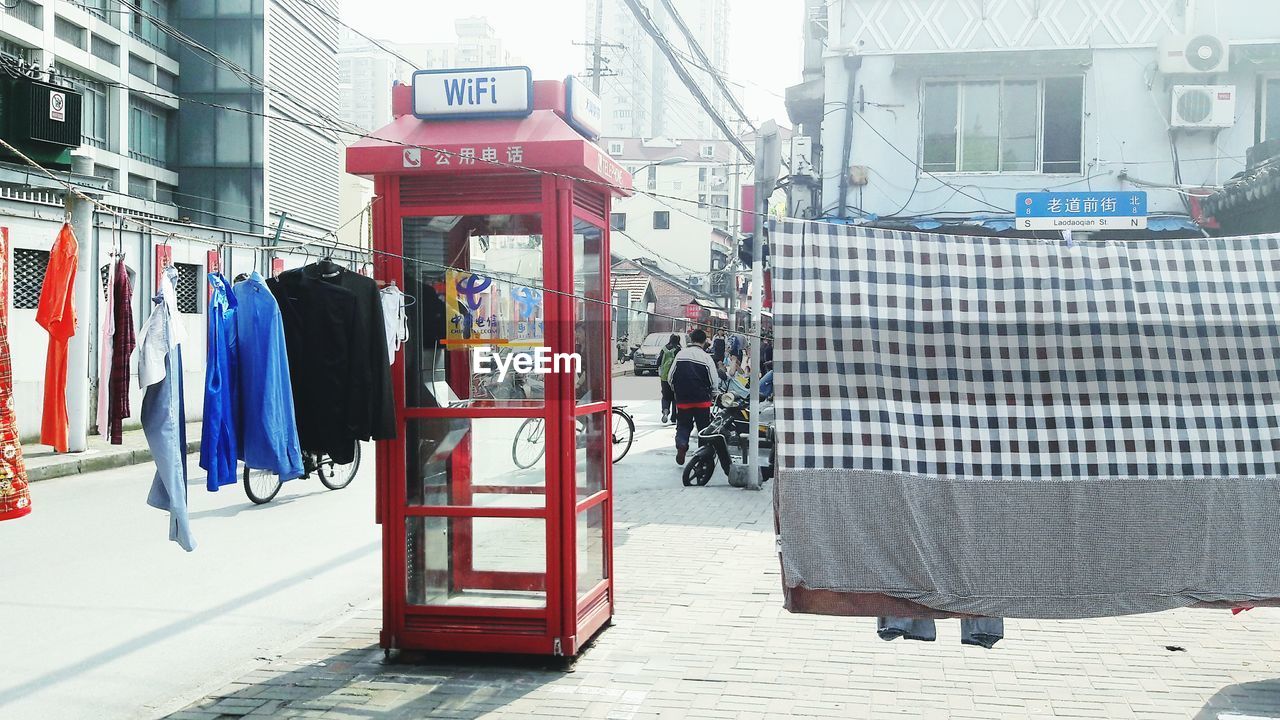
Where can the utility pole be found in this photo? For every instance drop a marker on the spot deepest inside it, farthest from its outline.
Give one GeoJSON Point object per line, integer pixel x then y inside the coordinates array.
{"type": "Point", "coordinates": [768, 167]}
{"type": "Point", "coordinates": [81, 212]}
{"type": "Point", "coordinates": [597, 65]}
{"type": "Point", "coordinates": [598, 45]}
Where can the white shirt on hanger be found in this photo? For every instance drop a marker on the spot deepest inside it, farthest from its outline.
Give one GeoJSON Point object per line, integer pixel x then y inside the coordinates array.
{"type": "Point", "coordinates": [397, 324]}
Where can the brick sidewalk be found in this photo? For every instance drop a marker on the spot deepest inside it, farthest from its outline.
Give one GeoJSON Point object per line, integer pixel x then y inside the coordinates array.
{"type": "Point", "coordinates": [701, 633]}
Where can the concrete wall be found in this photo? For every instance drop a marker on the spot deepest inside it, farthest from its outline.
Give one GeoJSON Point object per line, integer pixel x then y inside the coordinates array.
{"type": "Point", "coordinates": [36, 228]}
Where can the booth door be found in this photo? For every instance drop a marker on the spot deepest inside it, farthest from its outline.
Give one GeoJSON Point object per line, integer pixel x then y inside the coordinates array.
{"type": "Point", "coordinates": [476, 527]}
{"type": "Point", "coordinates": [592, 504]}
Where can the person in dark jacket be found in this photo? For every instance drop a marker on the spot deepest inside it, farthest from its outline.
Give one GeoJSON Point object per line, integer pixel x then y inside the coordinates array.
{"type": "Point", "coordinates": [718, 348]}
{"type": "Point", "coordinates": [694, 378]}
{"type": "Point", "coordinates": [665, 360]}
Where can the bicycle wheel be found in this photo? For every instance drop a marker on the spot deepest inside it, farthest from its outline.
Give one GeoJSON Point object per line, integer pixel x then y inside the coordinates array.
{"type": "Point", "coordinates": [336, 476]}
{"type": "Point", "coordinates": [530, 443]}
{"type": "Point", "coordinates": [623, 434]}
{"type": "Point", "coordinates": [261, 486]}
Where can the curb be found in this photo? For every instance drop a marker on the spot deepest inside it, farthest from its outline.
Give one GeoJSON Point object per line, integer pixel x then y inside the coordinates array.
{"type": "Point", "coordinates": [86, 462]}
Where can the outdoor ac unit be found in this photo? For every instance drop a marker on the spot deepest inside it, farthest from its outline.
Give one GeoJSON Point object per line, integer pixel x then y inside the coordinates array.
{"type": "Point", "coordinates": [1193, 55]}
{"type": "Point", "coordinates": [1204, 106]}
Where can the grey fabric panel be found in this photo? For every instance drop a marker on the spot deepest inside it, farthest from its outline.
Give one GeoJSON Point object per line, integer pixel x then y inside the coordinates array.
{"type": "Point", "coordinates": [1022, 428]}
{"type": "Point", "coordinates": [1031, 549]}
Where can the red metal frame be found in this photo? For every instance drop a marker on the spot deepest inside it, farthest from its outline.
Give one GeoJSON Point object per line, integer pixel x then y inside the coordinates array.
{"type": "Point", "coordinates": [571, 614]}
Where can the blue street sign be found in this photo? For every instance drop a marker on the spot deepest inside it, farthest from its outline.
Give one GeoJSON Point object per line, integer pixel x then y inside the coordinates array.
{"type": "Point", "coordinates": [1082, 211]}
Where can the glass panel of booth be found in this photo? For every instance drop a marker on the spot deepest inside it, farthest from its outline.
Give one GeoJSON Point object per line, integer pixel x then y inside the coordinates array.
{"type": "Point", "coordinates": [476, 462]}
{"type": "Point", "coordinates": [594, 452]}
{"type": "Point", "coordinates": [591, 312]}
{"type": "Point", "coordinates": [476, 562]}
{"type": "Point", "coordinates": [476, 328]}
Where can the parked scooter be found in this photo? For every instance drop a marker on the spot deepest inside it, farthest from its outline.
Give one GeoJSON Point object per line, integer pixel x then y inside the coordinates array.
{"type": "Point", "coordinates": [730, 423]}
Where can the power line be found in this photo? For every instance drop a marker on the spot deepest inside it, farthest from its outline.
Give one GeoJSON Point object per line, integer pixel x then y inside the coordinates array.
{"type": "Point", "coordinates": [646, 23]}
{"type": "Point", "coordinates": [697, 50]}
{"type": "Point", "coordinates": [376, 43]}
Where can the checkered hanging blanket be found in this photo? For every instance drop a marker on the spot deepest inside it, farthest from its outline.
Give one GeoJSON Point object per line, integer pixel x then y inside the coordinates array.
{"type": "Point", "coordinates": [1020, 428]}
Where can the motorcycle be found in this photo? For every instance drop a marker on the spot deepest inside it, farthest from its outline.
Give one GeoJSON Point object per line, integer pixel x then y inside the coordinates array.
{"type": "Point", "coordinates": [730, 426]}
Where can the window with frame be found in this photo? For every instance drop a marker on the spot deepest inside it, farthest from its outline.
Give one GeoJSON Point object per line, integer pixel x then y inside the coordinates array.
{"type": "Point", "coordinates": [1003, 126]}
{"type": "Point", "coordinates": [1270, 129]}
{"type": "Point", "coordinates": [149, 130]}
{"type": "Point", "coordinates": [148, 31]}
{"type": "Point", "coordinates": [661, 220]}
{"type": "Point", "coordinates": [27, 11]}
{"type": "Point", "coordinates": [141, 187]}
{"type": "Point", "coordinates": [618, 221]}
{"type": "Point", "coordinates": [104, 49]}
{"type": "Point", "coordinates": [140, 68]}
{"type": "Point", "coordinates": [14, 50]}
{"type": "Point", "coordinates": [108, 173]}
{"type": "Point", "coordinates": [166, 80]}
{"type": "Point", "coordinates": [69, 32]}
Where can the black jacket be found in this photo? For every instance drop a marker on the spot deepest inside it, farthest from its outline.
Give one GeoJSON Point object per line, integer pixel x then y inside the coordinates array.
{"type": "Point", "coordinates": [337, 357]}
{"type": "Point", "coordinates": [694, 377]}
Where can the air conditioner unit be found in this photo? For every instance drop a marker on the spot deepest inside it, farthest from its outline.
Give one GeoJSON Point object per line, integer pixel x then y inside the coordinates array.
{"type": "Point", "coordinates": [1193, 55]}
{"type": "Point", "coordinates": [1204, 106]}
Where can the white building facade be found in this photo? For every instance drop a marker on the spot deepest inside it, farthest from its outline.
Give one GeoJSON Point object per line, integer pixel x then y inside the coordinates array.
{"type": "Point", "coordinates": [129, 135]}
{"type": "Point", "coordinates": [942, 110]}
{"type": "Point", "coordinates": [702, 174]}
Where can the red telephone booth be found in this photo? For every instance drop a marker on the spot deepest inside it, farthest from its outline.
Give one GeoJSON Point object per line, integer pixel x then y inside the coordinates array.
{"type": "Point", "coordinates": [496, 499]}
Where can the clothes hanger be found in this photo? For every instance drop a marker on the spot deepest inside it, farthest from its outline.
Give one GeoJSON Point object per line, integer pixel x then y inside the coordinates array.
{"type": "Point", "coordinates": [328, 268]}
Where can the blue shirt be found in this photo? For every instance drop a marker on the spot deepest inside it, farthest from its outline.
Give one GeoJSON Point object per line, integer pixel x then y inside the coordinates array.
{"type": "Point", "coordinates": [268, 428]}
{"type": "Point", "coordinates": [218, 442]}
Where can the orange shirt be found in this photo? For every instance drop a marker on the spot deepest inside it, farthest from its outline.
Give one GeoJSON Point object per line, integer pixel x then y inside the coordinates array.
{"type": "Point", "coordinates": [56, 313]}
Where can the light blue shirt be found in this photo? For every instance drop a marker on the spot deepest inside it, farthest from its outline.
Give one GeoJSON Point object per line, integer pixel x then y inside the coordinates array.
{"type": "Point", "coordinates": [268, 427]}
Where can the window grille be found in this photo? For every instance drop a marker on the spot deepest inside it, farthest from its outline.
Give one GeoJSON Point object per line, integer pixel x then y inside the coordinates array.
{"type": "Point", "coordinates": [28, 277]}
{"type": "Point", "coordinates": [188, 288]}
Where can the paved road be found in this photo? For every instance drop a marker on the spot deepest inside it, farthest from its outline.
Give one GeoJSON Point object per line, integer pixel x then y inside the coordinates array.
{"type": "Point", "coordinates": [102, 617]}
{"type": "Point", "coordinates": [701, 634]}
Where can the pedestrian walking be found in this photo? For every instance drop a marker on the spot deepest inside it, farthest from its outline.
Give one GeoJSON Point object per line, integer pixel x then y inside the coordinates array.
{"type": "Point", "coordinates": [718, 348]}
{"type": "Point", "coordinates": [737, 349]}
{"type": "Point", "coordinates": [694, 378]}
{"type": "Point", "coordinates": [665, 360]}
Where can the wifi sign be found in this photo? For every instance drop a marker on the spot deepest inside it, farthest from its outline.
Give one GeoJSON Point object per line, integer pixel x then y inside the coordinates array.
{"type": "Point", "coordinates": [473, 93]}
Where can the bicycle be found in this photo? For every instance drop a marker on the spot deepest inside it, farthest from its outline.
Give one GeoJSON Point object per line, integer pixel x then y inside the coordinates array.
{"type": "Point", "coordinates": [262, 486]}
{"type": "Point", "coordinates": [529, 445]}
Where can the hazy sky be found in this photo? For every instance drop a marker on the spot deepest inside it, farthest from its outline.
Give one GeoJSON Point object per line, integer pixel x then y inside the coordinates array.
{"type": "Point", "coordinates": [764, 56]}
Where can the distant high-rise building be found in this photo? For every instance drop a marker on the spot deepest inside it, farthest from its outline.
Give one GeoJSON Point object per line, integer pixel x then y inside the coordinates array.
{"type": "Point", "coordinates": [365, 75]}
{"type": "Point", "coordinates": [250, 166]}
{"type": "Point", "coordinates": [477, 45]}
{"type": "Point", "coordinates": [642, 96]}
{"type": "Point", "coordinates": [367, 71]}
